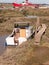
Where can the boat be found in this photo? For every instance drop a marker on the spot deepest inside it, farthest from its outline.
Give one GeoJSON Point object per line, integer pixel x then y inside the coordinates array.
{"type": "Point", "coordinates": [23, 32]}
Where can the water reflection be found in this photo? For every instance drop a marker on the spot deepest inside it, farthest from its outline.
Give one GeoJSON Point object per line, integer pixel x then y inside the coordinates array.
{"type": "Point", "coordinates": [2, 44]}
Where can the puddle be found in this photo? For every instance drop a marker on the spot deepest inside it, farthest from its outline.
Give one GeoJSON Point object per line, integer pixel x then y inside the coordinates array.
{"type": "Point", "coordinates": [2, 44]}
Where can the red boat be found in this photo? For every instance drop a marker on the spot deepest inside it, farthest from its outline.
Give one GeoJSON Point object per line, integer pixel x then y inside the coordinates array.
{"type": "Point", "coordinates": [25, 4]}
{"type": "Point", "coordinates": [17, 5]}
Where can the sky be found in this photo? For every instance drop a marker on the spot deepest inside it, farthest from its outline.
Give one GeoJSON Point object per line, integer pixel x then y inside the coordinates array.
{"type": "Point", "coordinates": [20, 1]}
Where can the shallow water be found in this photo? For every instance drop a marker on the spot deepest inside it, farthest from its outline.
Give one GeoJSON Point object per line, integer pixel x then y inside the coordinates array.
{"type": "Point", "coordinates": [2, 44]}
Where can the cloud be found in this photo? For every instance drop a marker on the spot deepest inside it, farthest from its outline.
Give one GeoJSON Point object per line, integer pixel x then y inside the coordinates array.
{"type": "Point", "coordinates": [19, 1]}
{"type": "Point", "coordinates": [6, 1]}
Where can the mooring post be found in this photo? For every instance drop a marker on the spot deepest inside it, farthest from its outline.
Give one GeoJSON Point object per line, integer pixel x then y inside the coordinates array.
{"type": "Point", "coordinates": [36, 31]}
{"type": "Point", "coordinates": [37, 25]}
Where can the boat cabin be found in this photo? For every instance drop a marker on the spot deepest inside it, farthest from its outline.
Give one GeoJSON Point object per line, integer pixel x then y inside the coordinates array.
{"type": "Point", "coordinates": [23, 30]}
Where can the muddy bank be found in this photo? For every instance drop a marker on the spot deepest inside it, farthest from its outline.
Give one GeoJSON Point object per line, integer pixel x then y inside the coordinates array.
{"type": "Point", "coordinates": [2, 44]}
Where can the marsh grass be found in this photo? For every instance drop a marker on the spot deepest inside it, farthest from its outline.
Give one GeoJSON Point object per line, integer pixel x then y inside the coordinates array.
{"type": "Point", "coordinates": [27, 53]}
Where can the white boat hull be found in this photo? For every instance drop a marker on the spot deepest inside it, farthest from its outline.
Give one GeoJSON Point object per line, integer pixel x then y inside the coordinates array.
{"type": "Point", "coordinates": [10, 40]}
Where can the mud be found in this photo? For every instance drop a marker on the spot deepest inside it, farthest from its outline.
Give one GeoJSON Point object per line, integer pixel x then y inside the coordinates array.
{"type": "Point", "coordinates": [2, 44]}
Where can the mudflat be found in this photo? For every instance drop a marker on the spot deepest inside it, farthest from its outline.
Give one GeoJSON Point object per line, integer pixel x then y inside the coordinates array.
{"type": "Point", "coordinates": [27, 53]}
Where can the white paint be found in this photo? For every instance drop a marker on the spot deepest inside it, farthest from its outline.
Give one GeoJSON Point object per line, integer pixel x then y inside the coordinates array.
{"type": "Point", "coordinates": [29, 32]}
{"type": "Point", "coordinates": [10, 40]}
{"type": "Point", "coordinates": [21, 40]}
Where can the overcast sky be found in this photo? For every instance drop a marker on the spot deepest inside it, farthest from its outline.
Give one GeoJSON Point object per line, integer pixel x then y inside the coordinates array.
{"type": "Point", "coordinates": [19, 1]}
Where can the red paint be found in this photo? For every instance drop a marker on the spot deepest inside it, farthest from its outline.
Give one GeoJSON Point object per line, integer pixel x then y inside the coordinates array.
{"type": "Point", "coordinates": [17, 5]}
{"type": "Point", "coordinates": [25, 4]}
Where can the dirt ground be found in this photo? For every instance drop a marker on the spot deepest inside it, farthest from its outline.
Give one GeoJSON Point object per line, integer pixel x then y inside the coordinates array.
{"type": "Point", "coordinates": [27, 53]}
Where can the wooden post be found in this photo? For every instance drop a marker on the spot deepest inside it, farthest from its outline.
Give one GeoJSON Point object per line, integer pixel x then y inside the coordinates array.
{"type": "Point", "coordinates": [37, 42]}
{"type": "Point", "coordinates": [37, 25]}
{"type": "Point", "coordinates": [36, 30]}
